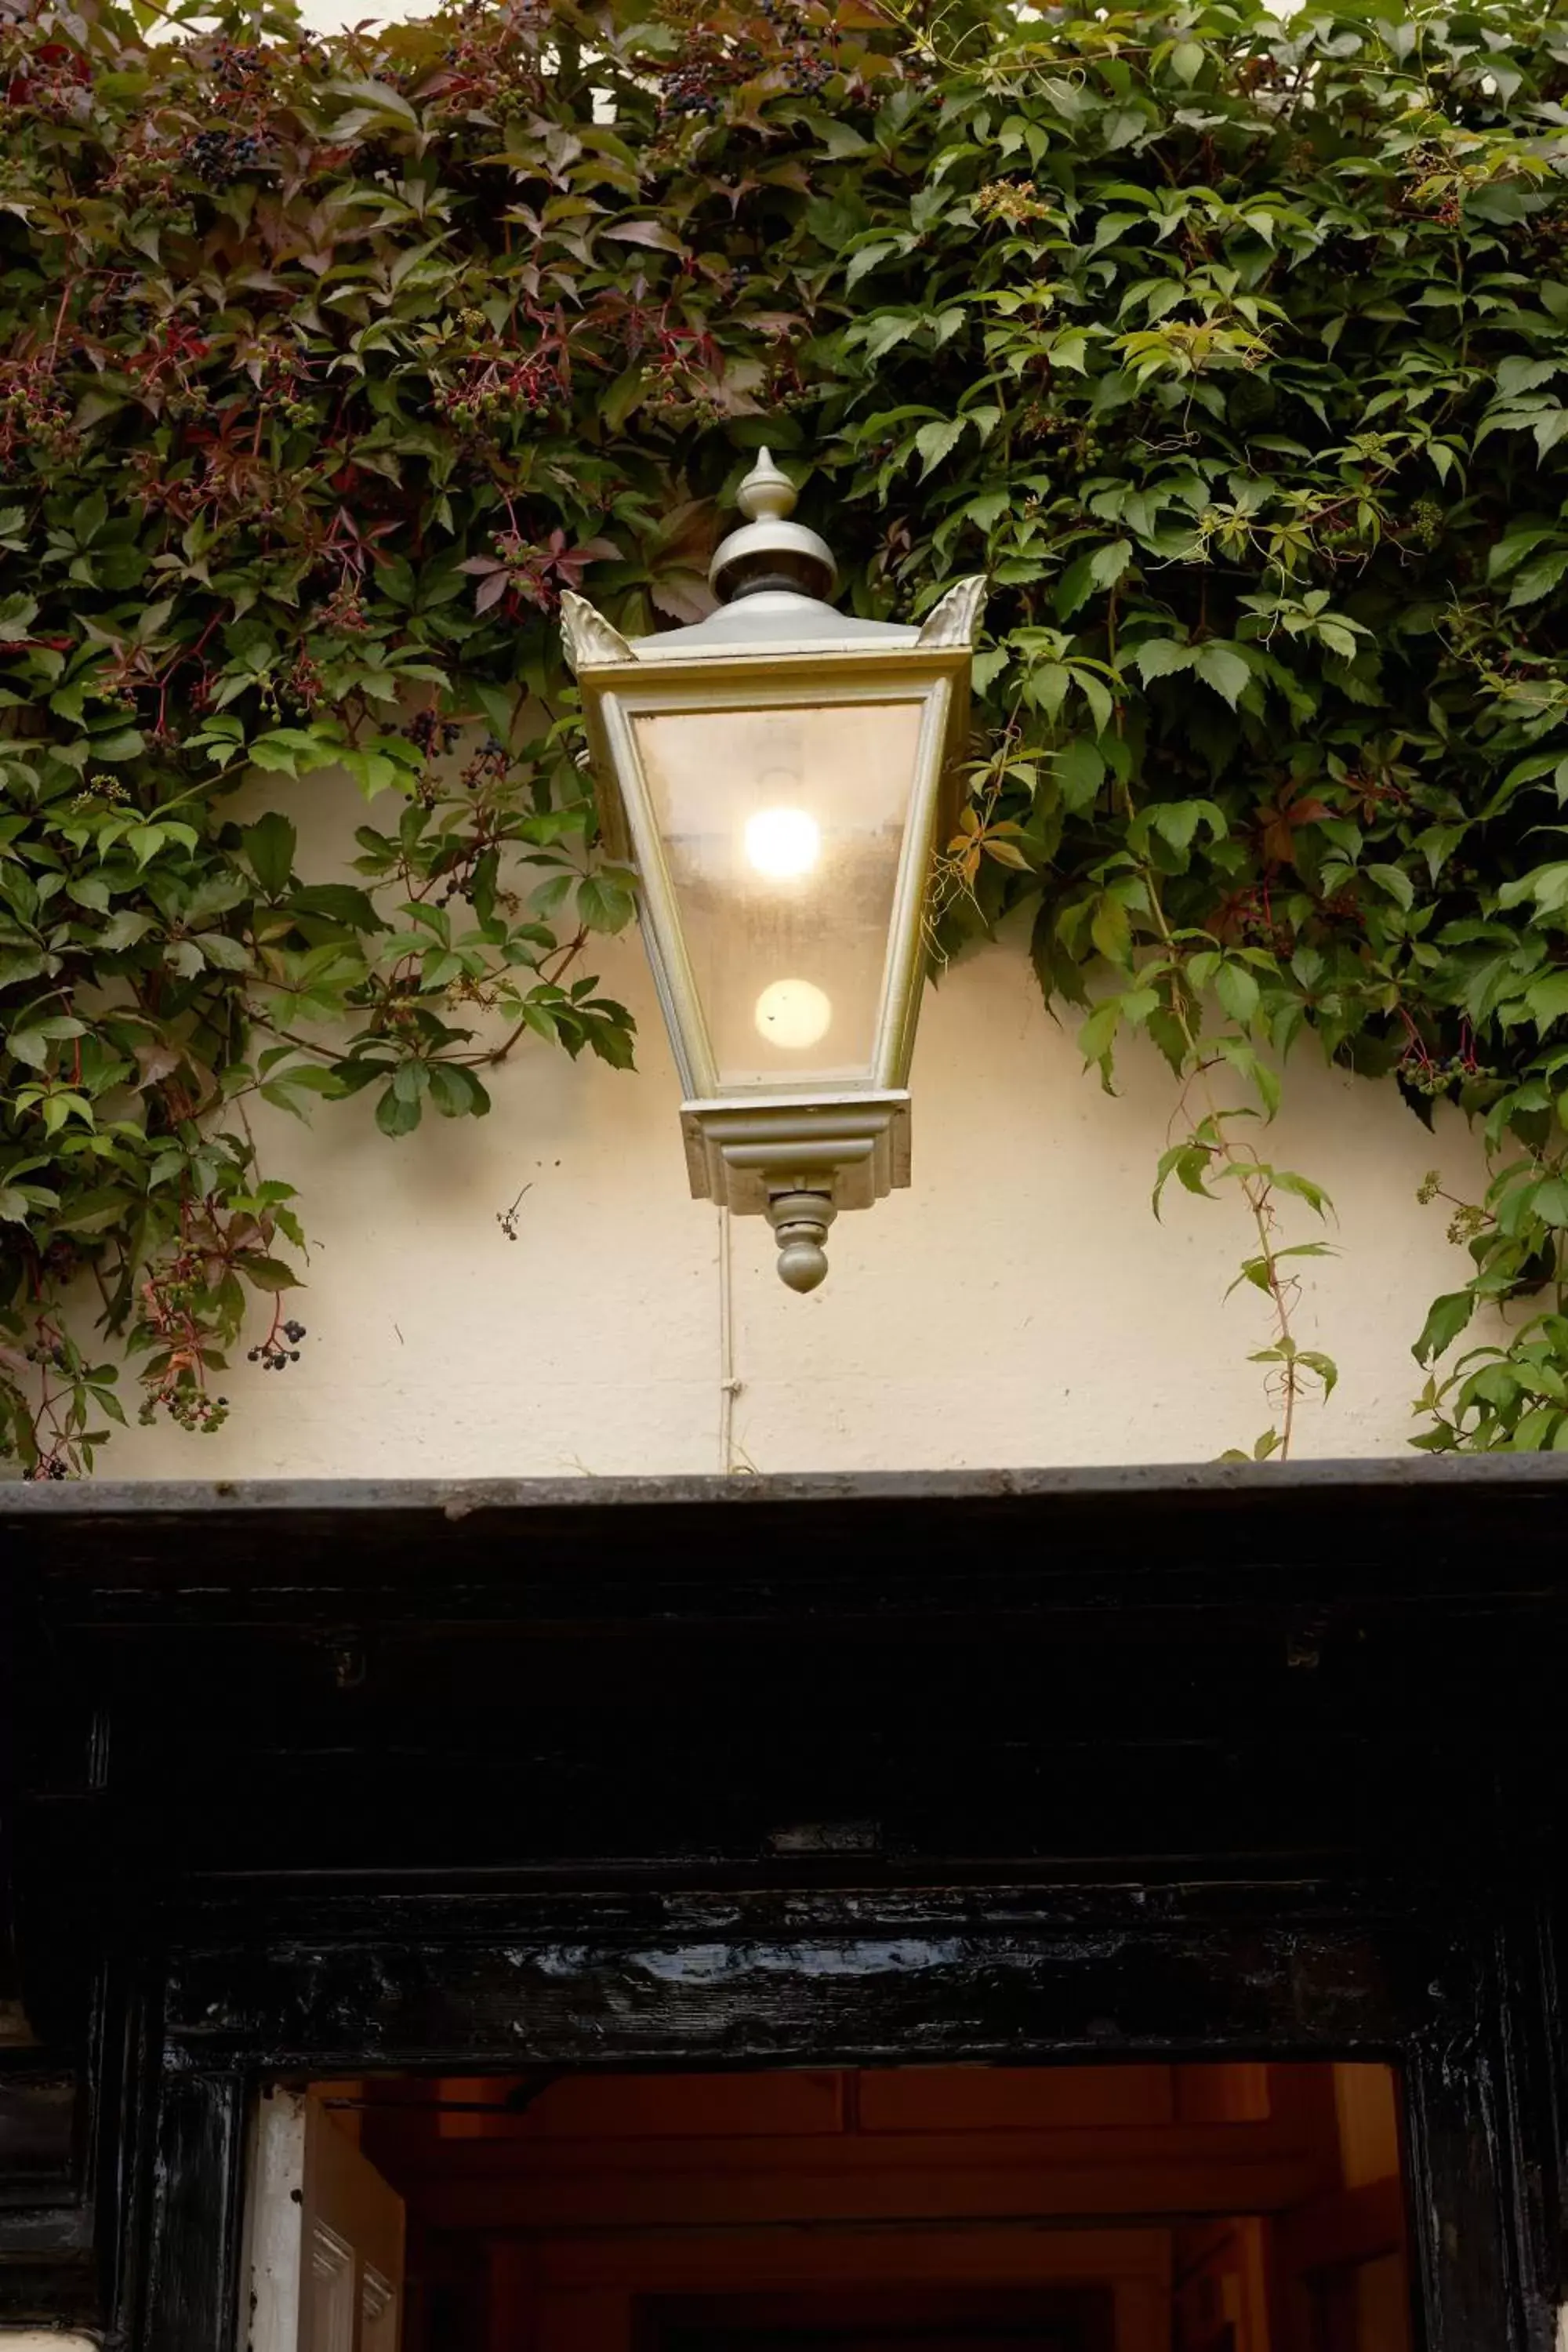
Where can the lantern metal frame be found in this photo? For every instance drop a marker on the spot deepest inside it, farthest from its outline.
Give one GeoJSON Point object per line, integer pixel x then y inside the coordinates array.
{"type": "Point", "coordinates": [796, 1153]}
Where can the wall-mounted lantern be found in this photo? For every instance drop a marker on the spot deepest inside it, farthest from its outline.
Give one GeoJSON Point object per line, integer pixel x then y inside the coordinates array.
{"type": "Point", "coordinates": [775, 771]}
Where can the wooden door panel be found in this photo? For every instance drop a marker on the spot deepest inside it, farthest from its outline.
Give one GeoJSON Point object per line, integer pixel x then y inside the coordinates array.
{"type": "Point", "coordinates": [324, 2237]}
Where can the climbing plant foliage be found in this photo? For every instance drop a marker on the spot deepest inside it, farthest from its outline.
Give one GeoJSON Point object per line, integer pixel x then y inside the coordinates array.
{"type": "Point", "coordinates": [1233, 349]}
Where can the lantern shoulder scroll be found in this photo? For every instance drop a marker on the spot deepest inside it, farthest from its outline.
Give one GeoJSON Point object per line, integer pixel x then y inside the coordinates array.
{"type": "Point", "coordinates": [781, 773]}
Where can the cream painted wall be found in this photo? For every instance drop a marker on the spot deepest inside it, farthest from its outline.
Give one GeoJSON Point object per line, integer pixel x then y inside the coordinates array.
{"type": "Point", "coordinates": [1018, 1305]}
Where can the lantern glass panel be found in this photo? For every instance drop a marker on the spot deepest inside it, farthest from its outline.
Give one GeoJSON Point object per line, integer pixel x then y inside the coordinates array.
{"type": "Point", "coordinates": [782, 830]}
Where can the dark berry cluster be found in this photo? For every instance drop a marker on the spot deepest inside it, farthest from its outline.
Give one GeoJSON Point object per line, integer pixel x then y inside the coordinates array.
{"type": "Point", "coordinates": [432, 734]}
{"type": "Point", "coordinates": [807, 71]}
{"type": "Point", "coordinates": [240, 66]}
{"type": "Point", "coordinates": [487, 768]}
{"type": "Point", "coordinates": [279, 1348]}
{"type": "Point", "coordinates": [217, 157]}
{"type": "Point", "coordinates": [714, 64]}
{"type": "Point", "coordinates": [694, 87]}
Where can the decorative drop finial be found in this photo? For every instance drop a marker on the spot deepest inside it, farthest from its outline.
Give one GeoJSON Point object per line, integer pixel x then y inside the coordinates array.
{"type": "Point", "coordinates": [767, 493]}
{"type": "Point", "coordinates": [801, 1220]}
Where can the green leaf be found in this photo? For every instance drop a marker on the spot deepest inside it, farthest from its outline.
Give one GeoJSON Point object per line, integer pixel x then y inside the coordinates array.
{"type": "Point", "coordinates": [1547, 885]}
{"type": "Point", "coordinates": [266, 1273]}
{"type": "Point", "coordinates": [656, 234]}
{"type": "Point", "coordinates": [1539, 579]}
{"type": "Point", "coordinates": [1223, 668]}
{"type": "Point", "coordinates": [1075, 587]}
{"type": "Point", "coordinates": [124, 930]}
{"type": "Point", "coordinates": [269, 846]}
{"type": "Point", "coordinates": [1189, 1162]}
{"type": "Point", "coordinates": [455, 1092]}
{"type": "Point", "coordinates": [934, 441]}
{"type": "Point", "coordinates": [1176, 821]}
{"type": "Point", "coordinates": [1110, 930]}
{"type": "Point", "coordinates": [1396, 883]}
{"type": "Point", "coordinates": [1098, 1034]}
{"type": "Point", "coordinates": [1163, 657]}
{"type": "Point", "coordinates": [223, 953]}
{"type": "Point", "coordinates": [1238, 990]}
{"type": "Point", "coordinates": [605, 905]}
{"type": "Point", "coordinates": [292, 751]}
{"type": "Point", "coordinates": [1079, 771]}
{"type": "Point", "coordinates": [1446, 1317]}
{"type": "Point", "coordinates": [1549, 1201]}
{"type": "Point", "coordinates": [337, 902]}
{"type": "Point", "coordinates": [1107, 564]}
{"type": "Point", "coordinates": [396, 1116]}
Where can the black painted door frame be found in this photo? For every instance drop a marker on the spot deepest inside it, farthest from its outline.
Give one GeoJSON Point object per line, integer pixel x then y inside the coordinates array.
{"type": "Point", "coordinates": [801, 1975]}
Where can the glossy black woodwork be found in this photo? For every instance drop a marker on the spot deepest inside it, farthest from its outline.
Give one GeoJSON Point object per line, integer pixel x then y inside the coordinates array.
{"type": "Point", "coordinates": [745, 1772]}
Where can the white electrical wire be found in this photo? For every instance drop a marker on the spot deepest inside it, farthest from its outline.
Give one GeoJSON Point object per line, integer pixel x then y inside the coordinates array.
{"type": "Point", "coordinates": [729, 1386]}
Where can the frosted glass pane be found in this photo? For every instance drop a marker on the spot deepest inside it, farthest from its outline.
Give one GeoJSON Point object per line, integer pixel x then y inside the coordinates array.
{"type": "Point", "coordinates": [782, 830]}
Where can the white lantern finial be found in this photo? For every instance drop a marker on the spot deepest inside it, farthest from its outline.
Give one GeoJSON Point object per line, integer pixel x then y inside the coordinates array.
{"type": "Point", "coordinates": [767, 493]}
{"type": "Point", "coordinates": [769, 550]}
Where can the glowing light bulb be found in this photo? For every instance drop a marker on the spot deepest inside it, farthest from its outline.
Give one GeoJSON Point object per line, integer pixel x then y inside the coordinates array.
{"type": "Point", "coordinates": [782, 843]}
{"type": "Point", "coordinates": [794, 1014]}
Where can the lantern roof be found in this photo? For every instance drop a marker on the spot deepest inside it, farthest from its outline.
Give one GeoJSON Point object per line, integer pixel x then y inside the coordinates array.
{"type": "Point", "coordinates": [768, 619]}
{"type": "Point", "coordinates": [773, 577]}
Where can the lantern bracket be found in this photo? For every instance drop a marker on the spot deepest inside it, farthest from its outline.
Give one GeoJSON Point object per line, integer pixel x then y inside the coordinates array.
{"type": "Point", "coordinates": [741, 1152]}
{"type": "Point", "coordinates": [798, 1163]}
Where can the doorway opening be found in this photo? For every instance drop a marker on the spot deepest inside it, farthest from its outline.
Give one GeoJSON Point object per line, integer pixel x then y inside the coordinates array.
{"type": "Point", "coordinates": [1141, 2208]}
